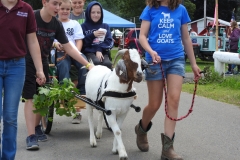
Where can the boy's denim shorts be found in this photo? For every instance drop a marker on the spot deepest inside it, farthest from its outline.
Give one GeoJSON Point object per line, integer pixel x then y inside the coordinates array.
{"type": "Point", "coordinates": [175, 66]}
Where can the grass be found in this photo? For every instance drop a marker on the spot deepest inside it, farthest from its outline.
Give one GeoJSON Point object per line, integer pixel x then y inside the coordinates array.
{"type": "Point", "coordinates": [188, 68]}
{"type": "Point", "coordinates": [113, 53]}
{"type": "Point", "coordinates": [201, 64]}
{"type": "Point", "coordinates": [226, 91]}
{"type": "Point", "coordinates": [216, 91]}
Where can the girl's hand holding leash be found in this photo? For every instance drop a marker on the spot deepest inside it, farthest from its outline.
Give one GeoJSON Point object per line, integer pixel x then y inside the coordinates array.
{"type": "Point", "coordinates": [197, 72]}
{"type": "Point", "coordinates": [155, 57]}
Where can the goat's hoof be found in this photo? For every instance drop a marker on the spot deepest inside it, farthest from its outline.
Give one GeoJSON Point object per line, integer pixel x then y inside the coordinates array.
{"type": "Point", "coordinates": [98, 135]}
{"type": "Point", "coordinates": [114, 151]}
{"type": "Point", "coordinates": [123, 158]}
{"type": "Point", "coordinates": [93, 144]}
{"type": "Point", "coordinates": [123, 155]}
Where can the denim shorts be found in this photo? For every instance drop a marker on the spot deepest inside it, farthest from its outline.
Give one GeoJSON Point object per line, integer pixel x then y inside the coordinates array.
{"type": "Point", "coordinates": [175, 66]}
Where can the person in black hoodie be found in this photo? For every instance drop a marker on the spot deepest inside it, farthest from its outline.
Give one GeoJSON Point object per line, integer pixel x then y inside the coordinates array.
{"type": "Point", "coordinates": [94, 49]}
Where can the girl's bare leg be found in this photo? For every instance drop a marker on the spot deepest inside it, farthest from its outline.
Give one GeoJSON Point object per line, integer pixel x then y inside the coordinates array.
{"type": "Point", "coordinates": [174, 89]}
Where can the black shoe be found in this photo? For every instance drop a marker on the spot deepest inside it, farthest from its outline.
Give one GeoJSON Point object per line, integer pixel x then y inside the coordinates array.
{"type": "Point", "coordinates": [32, 142]}
{"type": "Point", "coordinates": [42, 137]}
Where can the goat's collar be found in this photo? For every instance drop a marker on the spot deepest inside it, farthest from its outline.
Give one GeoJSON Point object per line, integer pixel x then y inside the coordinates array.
{"type": "Point", "coordinates": [118, 94]}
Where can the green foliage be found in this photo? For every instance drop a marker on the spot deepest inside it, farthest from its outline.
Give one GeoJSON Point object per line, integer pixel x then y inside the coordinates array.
{"type": "Point", "coordinates": [225, 8]}
{"type": "Point", "coordinates": [36, 4]}
{"type": "Point", "coordinates": [210, 76]}
{"type": "Point", "coordinates": [134, 8]}
{"type": "Point", "coordinates": [191, 7]}
{"type": "Point", "coordinates": [130, 8]}
{"type": "Point", "coordinates": [56, 94]}
{"type": "Point", "coordinates": [125, 9]}
{"type": "Point", "coordinates": [215, 91]}
{"type": "Point", "coordinates": [201, 64]}
{"type": "Point", "coordinates": [217, 87]}
{"type": "Point", "coordinates": [108, 5]}
{"type": "Point", "coordinates": [232, 82]}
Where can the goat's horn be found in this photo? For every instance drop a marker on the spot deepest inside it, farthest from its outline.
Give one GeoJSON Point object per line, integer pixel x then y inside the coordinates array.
{"type": "Point", "coordinates": [119, 53]}
{"type": "Point", "coordinates": [143, 62]}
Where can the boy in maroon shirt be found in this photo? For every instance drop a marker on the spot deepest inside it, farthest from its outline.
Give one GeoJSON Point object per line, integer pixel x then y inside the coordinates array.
{"type": "Point", "coordinates": [48, 29]}
{"type": "Point", "coordinates": [17, 26]}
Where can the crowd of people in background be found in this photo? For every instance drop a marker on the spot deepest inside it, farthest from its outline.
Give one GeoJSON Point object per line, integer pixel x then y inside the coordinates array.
{"type": "Point", "coordinates": [72, 25]}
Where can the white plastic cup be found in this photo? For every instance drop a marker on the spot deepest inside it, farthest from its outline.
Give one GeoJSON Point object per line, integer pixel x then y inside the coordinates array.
{"type": "Point", "coordinates": [102, 37]}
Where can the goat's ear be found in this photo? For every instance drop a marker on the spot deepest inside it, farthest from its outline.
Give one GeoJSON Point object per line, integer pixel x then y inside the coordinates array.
{"type": "Point", "coordinates": [121, 70]}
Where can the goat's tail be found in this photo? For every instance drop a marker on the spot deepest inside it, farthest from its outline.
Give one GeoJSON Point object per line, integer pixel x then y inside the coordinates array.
{"type": "Point", "coordinates": [119, 53]}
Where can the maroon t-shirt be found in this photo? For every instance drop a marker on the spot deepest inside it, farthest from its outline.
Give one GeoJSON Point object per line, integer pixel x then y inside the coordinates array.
{"type": "Point", "coordinates": [15, 24]}
{"type": "Point", "coordinates": [46, 33]}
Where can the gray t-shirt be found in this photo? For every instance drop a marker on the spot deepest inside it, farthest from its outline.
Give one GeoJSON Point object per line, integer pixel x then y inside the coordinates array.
{"type": "Point", "coordinates": [80, 18]}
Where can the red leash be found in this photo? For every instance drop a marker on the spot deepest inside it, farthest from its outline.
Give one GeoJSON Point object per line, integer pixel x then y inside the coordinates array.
{"type": "Point", "coordinates": [165, 92]}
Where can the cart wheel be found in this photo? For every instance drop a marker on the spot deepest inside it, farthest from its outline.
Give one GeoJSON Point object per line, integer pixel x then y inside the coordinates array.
{"type": "Point", "coordinates": [106, 122]}
{"type": "Point", "coordinates": [45, 123]}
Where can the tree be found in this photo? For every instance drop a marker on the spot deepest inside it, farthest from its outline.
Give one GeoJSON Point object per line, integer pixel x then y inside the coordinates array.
{"type": "Point", "coordinates": [134, 8]}
{"type": "Point", "coordinates": [36, 4]}
{"type": "Point", "coordinates": [127, 9]}
{"type": "Point", "coordinates": [191, 7]}
{"type": "Point", "coordinates": [225, 8]}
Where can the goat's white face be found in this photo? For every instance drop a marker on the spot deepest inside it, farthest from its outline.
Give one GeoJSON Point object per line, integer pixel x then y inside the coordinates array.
{"type": "Point", "coordinates": [129, 67]}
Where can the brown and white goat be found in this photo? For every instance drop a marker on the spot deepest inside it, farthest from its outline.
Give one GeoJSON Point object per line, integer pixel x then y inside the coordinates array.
{"type": "Point", "coordinates": [127, 70]}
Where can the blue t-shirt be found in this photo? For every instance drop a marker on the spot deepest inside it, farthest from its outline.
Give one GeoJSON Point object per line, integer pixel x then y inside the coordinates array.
{"type": "Point", "coordinates": [164, 35]}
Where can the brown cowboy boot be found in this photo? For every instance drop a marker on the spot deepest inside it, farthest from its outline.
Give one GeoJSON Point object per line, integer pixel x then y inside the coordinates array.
{"type": "Point", "coordinates": [168, 152]}
{"type": "Point", "coordinates": [142, 141]}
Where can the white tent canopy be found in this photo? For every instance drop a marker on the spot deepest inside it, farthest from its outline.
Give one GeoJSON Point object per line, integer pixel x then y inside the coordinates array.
{"type": "Point", "coordinates": [117, 32]}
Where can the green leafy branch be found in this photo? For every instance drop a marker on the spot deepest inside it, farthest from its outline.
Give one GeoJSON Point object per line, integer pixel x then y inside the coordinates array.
{"type": "Point", "coordinates": [57, 94]}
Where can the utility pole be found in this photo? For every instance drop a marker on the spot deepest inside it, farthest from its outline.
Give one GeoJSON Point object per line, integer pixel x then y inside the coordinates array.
{"type": "Point", "coordinates": [216, 3]}
{"type": "Point", "coordinates": [204, 16]}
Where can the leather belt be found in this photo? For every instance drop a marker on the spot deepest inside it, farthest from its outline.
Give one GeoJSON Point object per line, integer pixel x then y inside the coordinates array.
{"type": "Point", "coordinates": [17, 59]}
{"type": "Point", "coordinates": [62, 58]}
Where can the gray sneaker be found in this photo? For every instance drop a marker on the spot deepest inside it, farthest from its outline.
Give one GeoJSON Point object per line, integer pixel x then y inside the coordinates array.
{"type": "Point", "coordinates": [77, 119]}
{"type": "Point", "coordinates": [40, 135]}
{"type": "Point", "coordinates": [32, 142]}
